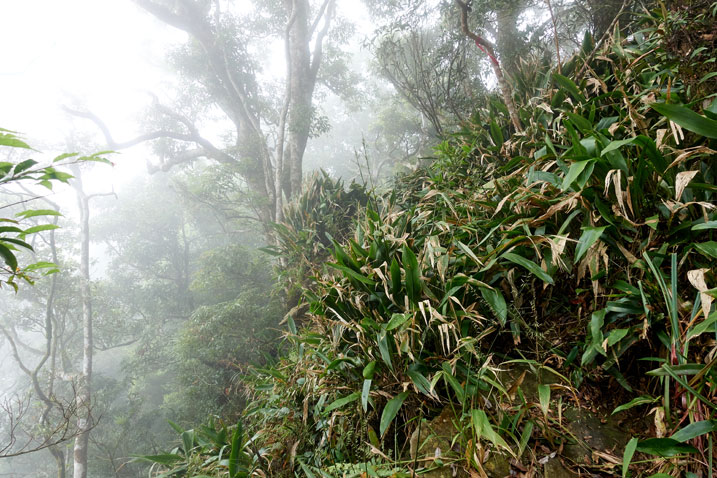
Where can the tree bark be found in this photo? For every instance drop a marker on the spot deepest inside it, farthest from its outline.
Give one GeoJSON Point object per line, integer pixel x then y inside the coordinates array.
{"type": "Point", "coordinates": [80, 452]}
{"type": "Point", "coordinates": [235, 92]}
{"type": "Point", "coordinates": [488, 48]}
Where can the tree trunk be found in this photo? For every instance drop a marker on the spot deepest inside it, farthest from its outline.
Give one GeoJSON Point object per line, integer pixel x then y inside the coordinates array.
{"type": "Point", "coordinates": [508, 42]}
{"type": "Point", "coordinates": [59, 457]}
{"type": "Point", "coordinates": [84, 386]}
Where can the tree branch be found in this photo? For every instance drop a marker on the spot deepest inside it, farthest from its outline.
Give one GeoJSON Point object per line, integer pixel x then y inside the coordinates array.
{"type": "Point", "coordinates": [487, 47]}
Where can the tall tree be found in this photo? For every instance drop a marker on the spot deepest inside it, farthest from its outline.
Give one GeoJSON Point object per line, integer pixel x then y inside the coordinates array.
{"type": "Point", "coordinates": [268, 138]}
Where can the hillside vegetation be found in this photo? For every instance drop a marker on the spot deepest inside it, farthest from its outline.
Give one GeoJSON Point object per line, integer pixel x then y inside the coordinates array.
{"type": "Point", "coordinates": [518, 279]}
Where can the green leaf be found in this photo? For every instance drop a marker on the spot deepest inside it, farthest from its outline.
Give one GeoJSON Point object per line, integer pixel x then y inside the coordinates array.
{"type": "Point", "coordinates": [188, 438]}
{"type": "Point", "coordinates": [694, 430]}
{"type": "Point", "coordinates": [413, 275]}
{"type": "Point", "coordinates": [384, 349]}
{"type": "Point", "coordinates": [530, 265]}
{"type": "Point", "coordinates": [613, 145]}
{"type": "Point", "coordinates": [40, 228]}
{"type": "Point", "coordinates": [708, 249]}
{"type": "Point", "coordinates": [702, 327]}
{"type": "Point", "coordinates": [421, 382]}
{"type": "Point", "coordinates": [616, 335]}
{"type": "Point", "coordinates": [338, 403]}
{"type": "Point", "coordinates": [64, 156]}
{"type": "Point", "coordinates": [665, 447]}
{"type": "Point", "coordinates": [568, 85]}
{"type": "Point", "coordinates": [525, 437]}
{"type": "Point", "coordinates": [17, 242]}
{"type": "Point", "coordinates": [350, 273]}
{"type": "Point", "coordinates": [42, 265]}
{"type": "Point", "coordinates": [587, 239]}
{"type": "Point", "coordinates": [37, 212]}
{"type": "Point", "coordinates": [575, 169]}
{"type": "Point", "coordinates": [688, 119]}
{"type": "Point", "coordinates": [705, 226]}
{"type": "Point", "coordinates": [24, 166]}
{"type": "Point", "coordinates": [369, 370]}
{"type": "Point", "coordinates": [544, 395]}
{"type": "Point", "coordinates": [8, 257]}
{"type": "Point", "coordinates": [397, 320]}
{"type": "Point", "coordinates": [627, 456]}
{"type": "Point", "coordinates": [236, 449]}
{"type": "Point", "coordinates": [176, 427]}
{"type": "Point", "coordinates": [496, 134]}
{"type": "Point", "coordinates": [365, 391]}
{"type": "Point", "coordinates": [467, 250]}
{"type": "Point", "coordinates": [395, 279]}
{"type": "Point", "coordinates": [390, 411]}
{"type": "Point", "coordinates": [685, 369]}
{"type": "Point", "coordinates": [482, 424]}
{"type": "Point", "coordinates": [11, 141]}
{"type": "Point", "coordinates": [452, 381]}
{"type": "Point", "coordinates": [642, 400]}
{"type": "Point", "coordinates": [497, 304]}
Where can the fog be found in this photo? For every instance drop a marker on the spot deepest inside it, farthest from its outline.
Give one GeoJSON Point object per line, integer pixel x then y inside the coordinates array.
{"type": "Point", "coordinates": [140, 284]}
{"type": "Point", "coordinates": [165, 242]}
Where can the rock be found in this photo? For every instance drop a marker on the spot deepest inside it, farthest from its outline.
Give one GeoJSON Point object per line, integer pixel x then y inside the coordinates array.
{"type": "Point", "coordinates": [497, 466]}
{"type": "Point", "coordinates": [555, 469]}
{"type": "Point", "coordinates": [434, 443]}
{"type": "Point", "coordinates": [593, 435]}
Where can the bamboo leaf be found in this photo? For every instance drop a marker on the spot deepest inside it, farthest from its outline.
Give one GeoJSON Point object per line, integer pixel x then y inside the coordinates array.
{"type": "Point", "coordinates": [497, 304]}
{"type": "Point", "coordinates": [688, 119]}
{"type": "Point", "coordinates": [694, 430]}
{"type": "Point", "coordinates": [575, 169]}
{"type": "Point", "coordinates": [627, 456]}
{"type": "Point", "coordinates": [166, 459]}
{"type": "Point", "coordinates": [665, 447]}
{"type": "Point", "coordinates": [40, 228]}
{"type": "Point", "coordinates": [530, 265]}
{"type": "Point", "coordinates": [390, 411]}
{"type": "Point", "coordinates": [544, 396]}
{"type": "Point", "coordinates": [340, 402]}
{"type": "Point", "coordinates": [37, 212]}
{"type": "Point", "coordinates": [365, 391]}
{"type": "Point", "coordinates": [8, 257]}
{"type": "Point", "coordinates": [708, 249]}
{"type": "Point", "coordinates": [397, 320]}
{"type": "Point", "coordinates": [587, 239]}
{"type": "Point", "coordinates": [643, 400]}
{"type": "Point", "coordinates": [413, 275]}
{"type": "Point", "coordinates": [568, 85]}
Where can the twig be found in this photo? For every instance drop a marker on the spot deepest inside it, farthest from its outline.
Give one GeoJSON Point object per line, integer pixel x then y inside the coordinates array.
{"type": "Point", "coordinates": [555, 34]}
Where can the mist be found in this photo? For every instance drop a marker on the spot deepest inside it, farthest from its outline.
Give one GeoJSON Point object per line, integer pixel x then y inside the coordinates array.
{"type": "Point", "coordinates": [253, 238]}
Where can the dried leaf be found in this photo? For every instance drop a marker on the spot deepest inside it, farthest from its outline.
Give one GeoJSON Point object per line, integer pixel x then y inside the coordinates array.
{"type": "Point", "coordinates": [697, 279]}
{"type": "Point", "coordinates": [681, 182]}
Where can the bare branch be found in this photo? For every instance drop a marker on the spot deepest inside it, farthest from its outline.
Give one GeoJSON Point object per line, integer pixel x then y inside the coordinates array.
{"type": "Point", "coordinates": [319, 43]}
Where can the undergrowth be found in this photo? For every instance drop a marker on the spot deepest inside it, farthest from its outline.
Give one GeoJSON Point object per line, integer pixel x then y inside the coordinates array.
{"type": "Point", "coordinates": [582, 246]}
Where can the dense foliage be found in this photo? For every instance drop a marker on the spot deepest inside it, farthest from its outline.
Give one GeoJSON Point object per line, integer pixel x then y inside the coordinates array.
{"type": "Point", "coordinates": [582, 246]}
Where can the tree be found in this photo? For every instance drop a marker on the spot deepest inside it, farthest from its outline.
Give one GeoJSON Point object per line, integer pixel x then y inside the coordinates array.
{"type": "Point", "coordinates": [56, 416]}
{"type": "Point", "coordinates": [13, 175]}
{"type": "Point", "coordinates": [267, 138]}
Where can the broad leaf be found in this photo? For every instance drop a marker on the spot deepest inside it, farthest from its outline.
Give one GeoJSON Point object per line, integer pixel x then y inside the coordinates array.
{"type": "Point", "coordinates": [530, 265]}
{"type": "Point", "coordinates": [694, 430]}
{"type": "Point", "coordinates": [665, 447]}
{"type": "Point", "coordinates": [589, 236]}
{"type": "Point", "coordinates": [390, 411]}
{"type": "Point", "coordinates": [688, 119]}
